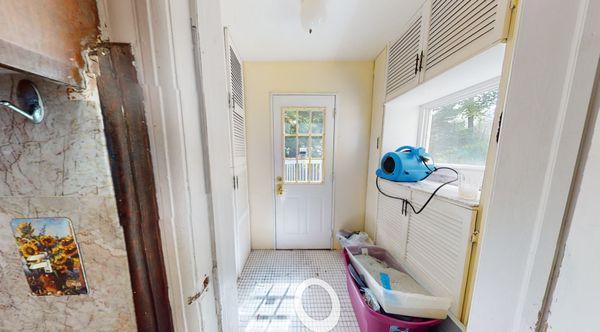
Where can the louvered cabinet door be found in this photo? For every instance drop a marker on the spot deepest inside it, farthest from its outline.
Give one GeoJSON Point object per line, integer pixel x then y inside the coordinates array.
{"type": "Point", "coordinates": [438, 247]}
{"type": "Point", "coordinates": [461, 29]}
{"type": "Point", "coordinates": [392, 224]}
{"type": "Point", "coordinates": [403, 59]}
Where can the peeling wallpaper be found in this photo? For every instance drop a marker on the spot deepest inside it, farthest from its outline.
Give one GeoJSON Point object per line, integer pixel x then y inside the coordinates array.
{"type": "Point", "coordinates": [60, 168]}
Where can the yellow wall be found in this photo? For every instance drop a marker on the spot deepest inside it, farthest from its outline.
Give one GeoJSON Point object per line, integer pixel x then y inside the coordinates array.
{"type": "Point", "coordinates": [376, 132]}
{"type": "Point", "coordinates": [353, 84]}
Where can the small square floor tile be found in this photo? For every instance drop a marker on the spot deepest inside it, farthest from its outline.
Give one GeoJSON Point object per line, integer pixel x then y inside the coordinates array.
{"type": "Point", "coordinates": [268, 284]}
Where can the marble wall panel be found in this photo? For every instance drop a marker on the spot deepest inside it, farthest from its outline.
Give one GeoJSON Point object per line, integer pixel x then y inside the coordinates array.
{"type": "Point", "coordinates": [60, 168]}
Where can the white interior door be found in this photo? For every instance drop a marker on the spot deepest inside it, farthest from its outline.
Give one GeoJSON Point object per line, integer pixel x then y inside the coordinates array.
{"type": "Point", "coordinates": [303, 130]}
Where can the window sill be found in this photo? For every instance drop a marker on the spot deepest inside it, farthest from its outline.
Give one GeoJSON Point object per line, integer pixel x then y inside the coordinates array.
{"type": "Point", "coordinates": [448, 193]}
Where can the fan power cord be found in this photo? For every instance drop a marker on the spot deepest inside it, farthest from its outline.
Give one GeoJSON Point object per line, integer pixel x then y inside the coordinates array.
{"type": "Point", "coordinates": [406, 203]}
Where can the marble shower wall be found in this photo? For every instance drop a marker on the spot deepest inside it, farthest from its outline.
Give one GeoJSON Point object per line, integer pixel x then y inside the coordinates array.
{"type": "Point", "coordinates": [60, 168]}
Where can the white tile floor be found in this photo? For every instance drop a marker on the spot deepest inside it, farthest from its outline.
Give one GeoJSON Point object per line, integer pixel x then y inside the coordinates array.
{"type": "Point", "coordinates": [268, 283]}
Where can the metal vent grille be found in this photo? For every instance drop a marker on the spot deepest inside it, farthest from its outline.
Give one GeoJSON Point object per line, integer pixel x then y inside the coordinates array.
{"type": "Point", "coordinates": [402, 58]}
{"type": "Point", "coordinates": [237, 84]}
{"type": "Point", "coordinates": [456, 24]}
{"type": "Point", "coordinates": [239, 135]}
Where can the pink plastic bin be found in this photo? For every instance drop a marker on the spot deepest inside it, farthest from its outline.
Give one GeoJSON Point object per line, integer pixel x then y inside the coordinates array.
{"type": "Point", "coordinates": [371, 321]}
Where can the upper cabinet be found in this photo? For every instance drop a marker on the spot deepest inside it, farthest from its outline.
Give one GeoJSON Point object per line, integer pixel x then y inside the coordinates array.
{"type": "Point", "coordinates": [403, 58]}
{"type": "Point", "coordinates": [442, 34]}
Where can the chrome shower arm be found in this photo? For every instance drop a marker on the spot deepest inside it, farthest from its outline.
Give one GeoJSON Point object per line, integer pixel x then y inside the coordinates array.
{"type": "Point", "coordinates": [28, 96]}
{"type": "Point", "coordinates": [13, 107]}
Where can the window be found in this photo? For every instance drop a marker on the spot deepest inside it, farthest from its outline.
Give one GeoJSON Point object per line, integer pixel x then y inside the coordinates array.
{"type": "Point", "coordinates": [456, 130]}
{"type": "Point", "coordinates": [303, 144]}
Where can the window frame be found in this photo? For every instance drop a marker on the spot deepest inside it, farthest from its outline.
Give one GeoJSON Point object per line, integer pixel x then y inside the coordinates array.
{"type": "Point", "coordinates": [425, 114]}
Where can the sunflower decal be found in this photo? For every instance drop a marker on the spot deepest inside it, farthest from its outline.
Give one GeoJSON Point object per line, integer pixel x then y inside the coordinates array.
{"type": "Point", "coordinates": [29, 248]}
{"type": "Point", "coordinates": [50, 256]}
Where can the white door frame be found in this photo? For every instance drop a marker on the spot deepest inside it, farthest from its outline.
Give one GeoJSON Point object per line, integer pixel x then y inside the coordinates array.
{"type": "Point", "coordinates": [273, 118]}
{"type": "Point", "coordinates": [544, 122]}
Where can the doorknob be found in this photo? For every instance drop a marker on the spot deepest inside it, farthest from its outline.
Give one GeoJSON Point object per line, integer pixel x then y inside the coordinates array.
{"type": "Point", "coordinates": [279, 186]}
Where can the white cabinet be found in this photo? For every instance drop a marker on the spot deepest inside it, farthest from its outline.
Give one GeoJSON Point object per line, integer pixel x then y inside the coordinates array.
{"type": "Point", "coordinates": [459, 30]}
{"type": "Point", "coordinates": [403, 57]}
{"type": "Point", "coordinates": [237, 114]}
{"type": "Point", "coordinates": [433, 246]}
{"type": "Point", "coordinates": [442, 34]}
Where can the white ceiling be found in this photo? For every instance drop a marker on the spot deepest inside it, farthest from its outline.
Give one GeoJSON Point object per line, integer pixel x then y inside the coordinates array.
{"type": "Point", "coordinates": [270, 30]}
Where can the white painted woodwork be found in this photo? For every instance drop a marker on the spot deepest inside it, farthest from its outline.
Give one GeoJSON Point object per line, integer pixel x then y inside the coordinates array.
{"type": "Point", "coordinates": [237, 113]}
{"type": "Point", "coordinates": [189, 128]}
{"type": "Point", "coordinates": [577, 295]}
{"type": "Point", "coordinates": [442, 35]}
{"type": "Point", "coordinates": [403, 58]}
{"type": "Point", "coordinates": [162, 41]}
{"type": "Point", "coordinates": [458, 30]}
{"type": "Point", "coordinates": [210, 47]}
{"type": "Point", "coordinates": [304, 213]}
{"type": "Point", "coordinates": [526, 208]}
{"type": "Point", "coordinates": [433, 246]}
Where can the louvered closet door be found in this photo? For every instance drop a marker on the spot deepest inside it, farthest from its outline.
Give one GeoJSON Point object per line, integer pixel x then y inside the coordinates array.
{"type": "Point", "coordinates": [460, 29]}
{"type": "Point", "coordinates": [403, 60]}
{"type": "Point", "coordinates": [238, 146]}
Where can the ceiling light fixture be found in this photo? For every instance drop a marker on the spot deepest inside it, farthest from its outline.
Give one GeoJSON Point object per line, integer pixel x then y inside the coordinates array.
{"type": "Point", "coordinates": [312, 14]}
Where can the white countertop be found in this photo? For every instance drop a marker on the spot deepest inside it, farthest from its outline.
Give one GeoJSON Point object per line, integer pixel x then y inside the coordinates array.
{"type": "Point", "coordinates": [448, 192]}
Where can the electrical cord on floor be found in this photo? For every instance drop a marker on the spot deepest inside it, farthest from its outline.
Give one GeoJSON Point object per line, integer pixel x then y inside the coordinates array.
{"type": "Point", "coordinates": [406, 203]}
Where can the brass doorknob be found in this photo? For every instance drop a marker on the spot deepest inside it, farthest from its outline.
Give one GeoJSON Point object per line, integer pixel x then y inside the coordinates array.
{"type": "Point", "coordinates": [279, 186]}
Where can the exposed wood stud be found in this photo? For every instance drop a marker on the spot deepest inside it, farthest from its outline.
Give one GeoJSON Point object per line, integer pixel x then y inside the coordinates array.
{"type": "Point", "coordinates": [133, 178]}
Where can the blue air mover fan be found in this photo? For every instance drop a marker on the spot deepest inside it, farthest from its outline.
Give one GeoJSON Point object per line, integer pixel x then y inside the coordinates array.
{"type": "Point", "coordinates": [406, 164]}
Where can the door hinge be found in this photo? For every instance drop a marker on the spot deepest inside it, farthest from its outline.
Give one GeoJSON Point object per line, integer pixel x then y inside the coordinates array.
{"type": "Point", "coordinates": [196, 296]}
{"type": "Point", "coordinates": [499, 127]}
{"type": "Point", "coordinates": [475, 236]}
{"type": "Point", "coordinates": [377, 147]}
{"type": "Point", "coordinates": [234, 183]}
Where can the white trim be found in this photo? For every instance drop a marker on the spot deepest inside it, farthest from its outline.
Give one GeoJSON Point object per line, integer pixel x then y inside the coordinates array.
{"type": "Point", "coordinates": [464, 93]}
{"type": "Point", "coordinates": [543, 117]}
{"type": "Point", "coordinates": [273, 118]}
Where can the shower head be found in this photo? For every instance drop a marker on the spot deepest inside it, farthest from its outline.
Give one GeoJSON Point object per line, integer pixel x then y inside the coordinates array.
{"type": "Point", "coordinates": [29, 102]}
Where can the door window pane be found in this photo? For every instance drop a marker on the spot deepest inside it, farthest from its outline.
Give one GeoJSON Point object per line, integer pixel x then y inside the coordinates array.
{"type": "Point", "coordinates": [303, 147]}
{"type": "Point", "coordinates": [316, 147]}
{"type": "Point", "coordinates": [317, 122]}
{"type": "Point", "coordinates": [303, 153]}
{"type": "Point", "coordinates": [303, 122]}
{"type": "Point", "coordinates": [290, 119]}
{"type": "Point", "coordinates": [290, 146]}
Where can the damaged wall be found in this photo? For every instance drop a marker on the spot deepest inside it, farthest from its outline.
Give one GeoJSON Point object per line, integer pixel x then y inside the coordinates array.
{"type": "Point", "coordinates": [47, 37]}
{"type": "Point", "coordinates": [60, 168]}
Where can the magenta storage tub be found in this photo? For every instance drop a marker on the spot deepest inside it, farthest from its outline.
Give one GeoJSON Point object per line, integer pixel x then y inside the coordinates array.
{"type": "Point", "coordinates": [371, 321]}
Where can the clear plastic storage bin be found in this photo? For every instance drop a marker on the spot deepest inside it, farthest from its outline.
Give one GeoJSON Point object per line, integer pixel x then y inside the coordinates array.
{"type": "Point", "coordinates": [395, 301]}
